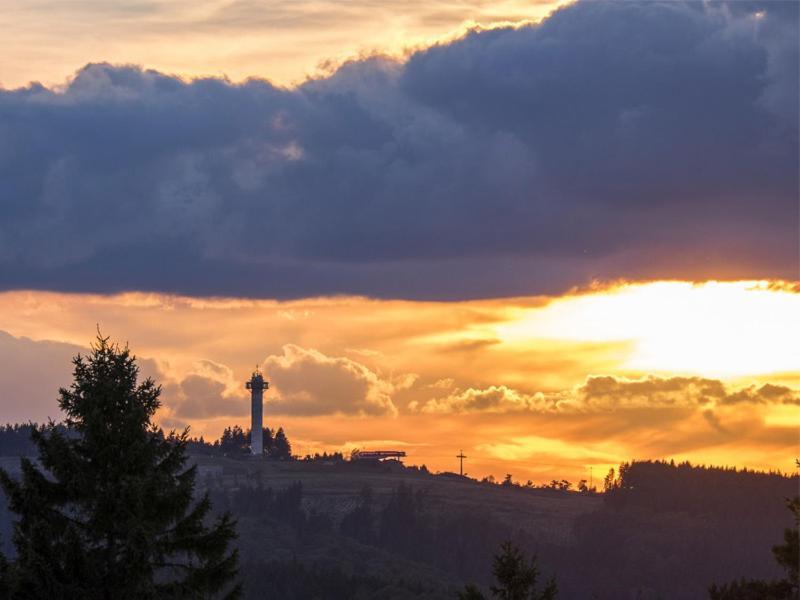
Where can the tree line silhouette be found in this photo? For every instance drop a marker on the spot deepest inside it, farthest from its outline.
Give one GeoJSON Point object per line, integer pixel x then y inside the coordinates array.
{"type": "Point", "coordinates": [16, 440]}
{"type": "Point", "coordinates": [235, 442]}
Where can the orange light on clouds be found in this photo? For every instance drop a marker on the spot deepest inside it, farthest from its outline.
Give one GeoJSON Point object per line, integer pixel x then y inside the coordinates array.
{"type": "Point", "coordinates": [285, 42]}
{"type": "Point", "coordinates": [504, 379]}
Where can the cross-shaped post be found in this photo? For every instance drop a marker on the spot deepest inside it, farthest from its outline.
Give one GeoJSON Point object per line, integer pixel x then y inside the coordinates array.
{"type": "Point", "coordinates": [461, 458]}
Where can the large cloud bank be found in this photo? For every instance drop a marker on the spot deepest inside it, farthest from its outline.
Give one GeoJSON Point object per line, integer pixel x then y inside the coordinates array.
{"type": "Point", "coordinates": [612, 140]}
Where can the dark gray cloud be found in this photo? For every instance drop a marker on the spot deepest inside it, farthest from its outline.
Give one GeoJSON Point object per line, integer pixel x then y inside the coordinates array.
{"type": "Point", "coordinates": [613, 140]}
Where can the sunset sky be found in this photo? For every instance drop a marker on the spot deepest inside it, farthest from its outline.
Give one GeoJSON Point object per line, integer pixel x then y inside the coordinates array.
{"type": "Point", "coordinates": [557, 236]}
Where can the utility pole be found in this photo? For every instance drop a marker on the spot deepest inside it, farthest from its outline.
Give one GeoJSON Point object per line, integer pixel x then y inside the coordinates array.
{"type": "Point", "coordinates": [591, 478]}
{"type": "Point", "coordinates": [461, 458]}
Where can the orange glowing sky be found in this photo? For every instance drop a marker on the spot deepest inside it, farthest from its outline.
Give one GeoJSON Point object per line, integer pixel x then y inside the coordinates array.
{"type": "Point", "coordinates": [285, 42]}
{"type": "Point", "coordinates": [461, 165]}
{"type": "Point", "coordinates": [537, 386]}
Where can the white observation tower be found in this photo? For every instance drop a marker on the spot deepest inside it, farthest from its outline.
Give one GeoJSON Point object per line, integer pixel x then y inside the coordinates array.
{"type": "Point", "coordinates": [256, 385]}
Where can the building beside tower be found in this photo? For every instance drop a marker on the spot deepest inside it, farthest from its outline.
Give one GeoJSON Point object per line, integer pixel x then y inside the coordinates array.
{"type": "Point", "coordinates": [256, 385]}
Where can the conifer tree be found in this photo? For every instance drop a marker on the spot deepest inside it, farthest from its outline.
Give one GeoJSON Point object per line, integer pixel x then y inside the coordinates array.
{"type": "Point", "coordinates": [516, 578]}
{"type": "Point", "coordinates": [110, 511]}
{"type": "Point", "coordinates": [281, 448]}
{"type": "Point", "coordinates": [471, 592]}
{"type": "Point", "coordinates": [268, 440]}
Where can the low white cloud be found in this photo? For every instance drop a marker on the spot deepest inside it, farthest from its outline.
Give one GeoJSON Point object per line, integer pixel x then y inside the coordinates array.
{"type": "Point", "coordinates": [608, 394]}
{"type": "Point", "coordinates": [209, 391]}
{"type": "Point", "coordinates": [308, 382]}
{"type": "Point", "coordinates": [494, 399]}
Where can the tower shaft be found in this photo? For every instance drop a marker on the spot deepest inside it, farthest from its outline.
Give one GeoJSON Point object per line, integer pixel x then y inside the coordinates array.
{"type": "Point", "coordinates": [256, 422]}
{"type": "Point", "coordinates": [257, 385]}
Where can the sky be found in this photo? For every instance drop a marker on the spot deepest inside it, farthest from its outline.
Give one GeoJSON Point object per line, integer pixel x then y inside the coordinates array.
{"type": "Point", "coordinates": [553, 236]}
{"type": "Point", "coordinates": [284, 41]}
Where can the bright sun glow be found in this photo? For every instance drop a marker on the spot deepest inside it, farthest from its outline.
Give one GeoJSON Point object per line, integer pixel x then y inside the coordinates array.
{"type": "Point", "coordinates": [716, 329]}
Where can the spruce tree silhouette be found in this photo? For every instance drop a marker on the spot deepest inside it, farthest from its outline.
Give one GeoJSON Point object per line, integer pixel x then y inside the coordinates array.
{"type": "Point", "coordinates": [471, 592]}
{"type": "Point", "coordinates": [110, 513]}
{"type": "Point", "coordinates": [516, 578]}
{"type": "Point", "coordinates": [281, 448]}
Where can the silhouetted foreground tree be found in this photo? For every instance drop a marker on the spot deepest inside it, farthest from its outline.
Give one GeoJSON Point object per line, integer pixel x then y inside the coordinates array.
{"type": "Point", "coordinates": [516, 577]}
{"type": "Point", "coordinates": [110, 515]}
{"type": "Point", "coordinates": [787, 555]}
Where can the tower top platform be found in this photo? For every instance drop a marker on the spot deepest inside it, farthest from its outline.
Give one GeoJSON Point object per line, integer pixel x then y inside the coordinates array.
{"type": "Point", "coordinates": [257, 382]}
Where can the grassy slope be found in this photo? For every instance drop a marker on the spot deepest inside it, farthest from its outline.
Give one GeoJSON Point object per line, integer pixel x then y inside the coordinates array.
{"type": "Point", "coordinates": [333, 489]}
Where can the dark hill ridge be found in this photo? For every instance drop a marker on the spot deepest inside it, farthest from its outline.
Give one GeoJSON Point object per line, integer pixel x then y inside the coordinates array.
{"type": "Point", "coordinates": [340, 530]}
{"type": "Point", "coordinates": [665, 530]}
{"type": "Point", "coordinates": [334, 488]}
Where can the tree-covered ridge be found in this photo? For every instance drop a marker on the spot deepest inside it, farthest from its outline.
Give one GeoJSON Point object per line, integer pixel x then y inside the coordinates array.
{"type": "Point", "coordinates": [15, 440]}
{"type": "Point", "coordinates": [694, 489]}
{"type": "Point", "coordinates": [710, 523]}
{"type": "Point", "coordinates": [787, 555]}
{"type": "Point", "coordinates": [235, 441]}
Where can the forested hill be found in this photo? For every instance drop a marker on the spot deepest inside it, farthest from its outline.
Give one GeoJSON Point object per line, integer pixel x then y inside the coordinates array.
{"type": "Point", "coordinates": [342, 520]}
{"type": "Point", "coordinates": [670, 530]}
{"type": "Point", "coordinates": [335, 529]}
{"type": "Point", "coordinates": [15, 440]}
{"type": "Point", "coordinates": [698, 490]}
